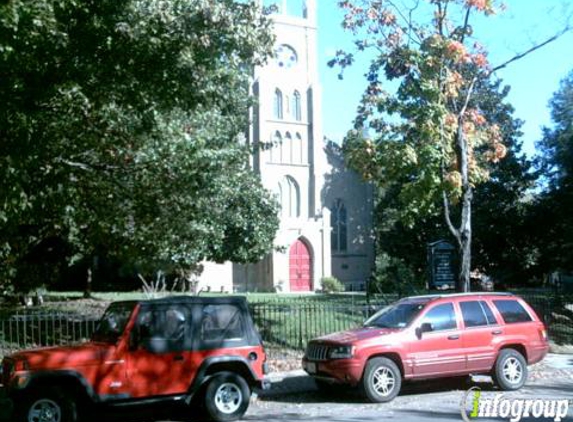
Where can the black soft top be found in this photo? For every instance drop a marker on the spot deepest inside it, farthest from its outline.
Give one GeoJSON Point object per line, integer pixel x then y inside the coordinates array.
{"type": "Point", "coordinates": [191, 300]}
{"type": "Point", "coordinates": [240, 300]}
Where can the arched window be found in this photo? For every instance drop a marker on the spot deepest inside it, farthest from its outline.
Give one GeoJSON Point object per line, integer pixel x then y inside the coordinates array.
{"type": "Point", "coordinates": [288, 146]}
{"type": "Point", "coordinates": [278, 104]}
{"type": "Point", "coordinates": [280, 194]}
{"type": "Point", "coordinates": [276, 146]}
{"type": "Point", "coordinates": [339, 237]}
{"type": "Point", "coordinates": [296, 106]}
{"type": "Point", "coordinates": [298, 149]}
{"type": "Point", "coordinates": [289, 197]}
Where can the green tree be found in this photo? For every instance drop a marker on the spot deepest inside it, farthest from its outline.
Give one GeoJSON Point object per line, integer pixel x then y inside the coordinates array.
{"type": "Point", "coordinates": [121, 129]}
{"type": "Point", "coordinates": [553, 215]}
{"type": "Point", "coordinates": [504, 240]}
{"type": "Point", "coordinates": [432, 139]}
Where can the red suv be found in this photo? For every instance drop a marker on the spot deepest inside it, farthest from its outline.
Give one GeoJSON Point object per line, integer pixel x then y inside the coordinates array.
{"type": "Point", "coordinates": [431, 337]}
{"type": "Point", "coordinates": [164, 350]}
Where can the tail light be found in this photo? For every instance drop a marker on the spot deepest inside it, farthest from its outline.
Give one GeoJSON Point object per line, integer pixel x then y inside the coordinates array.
{"type": "Point", "coordinates": [543, 334]}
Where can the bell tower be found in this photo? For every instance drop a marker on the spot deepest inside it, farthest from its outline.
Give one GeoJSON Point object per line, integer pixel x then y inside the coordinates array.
{"type": "Point", "coordinates": [286, 133]}
{"type": "Point", "coordinates": [296, 8]}
{"type": "Point", "coordinates": [287, 119]}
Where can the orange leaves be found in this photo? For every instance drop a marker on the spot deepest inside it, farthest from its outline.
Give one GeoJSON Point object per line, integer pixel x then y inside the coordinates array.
{"type": "Point", "coordinates": [480, 60]}
{"type": "Point", "coordinates": [497, 149]}
{"type": "Point", "coordinates": [453, 83]}
{"type": "Point", "coordinates": [478, 4]}
{"type": "Point", "coordinates": [499, 152]}
{"type": "Point", "coordinates": [476, 117]}
{"type": "Point", "coordinates": [451, 120]}
{"type": "Point", "coordinates": [485, 6]}
{"type": "Point", "coordinates": [454, 179]}
{"type": "Point", "coordinates": [457, 52]}
{"type": "Point", "coordinates": [387, 18]}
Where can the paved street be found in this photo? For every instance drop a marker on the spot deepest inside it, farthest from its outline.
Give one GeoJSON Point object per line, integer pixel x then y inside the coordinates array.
{"type": "Point", "coordinates": [295, 398]}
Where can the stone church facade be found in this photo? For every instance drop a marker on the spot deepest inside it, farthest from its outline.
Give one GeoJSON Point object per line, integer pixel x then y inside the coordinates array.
{"type": "Point", "coordinates": [326, 211]}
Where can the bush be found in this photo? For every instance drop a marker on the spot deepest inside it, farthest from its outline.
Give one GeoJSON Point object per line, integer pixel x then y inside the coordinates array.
{"type": "Point", "coordinates": [393, 275]}
{"type": "Point", "coordinates": [331, 285]}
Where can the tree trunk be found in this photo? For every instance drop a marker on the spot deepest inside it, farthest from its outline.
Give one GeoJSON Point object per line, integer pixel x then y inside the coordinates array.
{"type": "Point", "coordinates": [465, 230]}
{"type": "Point", "coordinates": [88, 289]}
{"type": "Point", "coordinates": [465, 245]}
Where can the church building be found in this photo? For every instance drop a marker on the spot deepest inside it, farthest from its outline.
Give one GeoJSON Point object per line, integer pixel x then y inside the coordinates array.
{"type": "Point", "coordinates": [326, 210]}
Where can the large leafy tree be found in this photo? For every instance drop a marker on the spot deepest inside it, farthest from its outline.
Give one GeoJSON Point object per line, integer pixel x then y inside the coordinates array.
{"type": "Point", "coordinates": [121, 129]}
{"type": "Point", "coordinates": [431, 138]}
{"type": "Point", "coordinates": [553, 214]}
{"type": "Point", "coordinates": [504, 245]}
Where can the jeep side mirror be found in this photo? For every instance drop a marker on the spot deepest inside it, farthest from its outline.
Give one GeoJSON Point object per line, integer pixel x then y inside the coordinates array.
{"type": "Point", "coordinates": [424, 328]}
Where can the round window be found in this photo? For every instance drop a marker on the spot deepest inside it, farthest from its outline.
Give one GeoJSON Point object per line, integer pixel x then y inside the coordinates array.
{"type": "Point", "coordinates": [285, 56]}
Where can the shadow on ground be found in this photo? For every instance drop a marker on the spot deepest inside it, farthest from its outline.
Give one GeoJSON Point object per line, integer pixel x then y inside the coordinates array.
{"type": "Point", "coordinates": [302, 389]}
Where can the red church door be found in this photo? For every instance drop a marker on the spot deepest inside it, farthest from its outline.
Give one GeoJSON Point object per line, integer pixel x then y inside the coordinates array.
{"type": "Point", "coordinates": [300, 267]}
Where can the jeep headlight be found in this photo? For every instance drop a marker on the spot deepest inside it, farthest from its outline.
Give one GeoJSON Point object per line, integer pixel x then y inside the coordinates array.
{"type": "Point", "coordinates": [341, 352]}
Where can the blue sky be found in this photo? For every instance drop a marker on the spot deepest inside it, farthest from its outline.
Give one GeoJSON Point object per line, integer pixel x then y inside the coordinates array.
{"type": "Point", "coordinates": [533, 79]}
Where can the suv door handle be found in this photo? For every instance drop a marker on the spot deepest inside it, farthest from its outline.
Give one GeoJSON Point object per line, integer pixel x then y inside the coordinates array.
{"type": "Point", "coordinates": [178, 358]}
{"type": "Point", "coordinates": [454, 337]}
{"type": "Point", "coordinates": [496, 332]}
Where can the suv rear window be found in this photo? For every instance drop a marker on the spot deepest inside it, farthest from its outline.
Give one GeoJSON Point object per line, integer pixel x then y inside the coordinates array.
{"type": "Point", "coordinates": [512, 311]}
{"type": "Point", "coordinates": [476, 314]}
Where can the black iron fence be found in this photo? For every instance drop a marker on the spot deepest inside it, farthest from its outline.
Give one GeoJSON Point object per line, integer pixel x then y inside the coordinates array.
{"type": "Point", "coordinates": [286, 325]}
{"type": "Point", "coordinates": [26, 329]}
{"type": "Point", "coordinates": [556, 311]}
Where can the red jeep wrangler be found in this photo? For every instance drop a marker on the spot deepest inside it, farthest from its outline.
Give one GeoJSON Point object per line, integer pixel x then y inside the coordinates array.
{"type": "Point", "coordinates": [157, 350]}
{"type": "Point", "coordinates": [431, 337]}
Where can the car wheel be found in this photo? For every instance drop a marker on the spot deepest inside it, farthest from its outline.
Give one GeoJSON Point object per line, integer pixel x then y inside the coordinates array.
{"type": "Point", "coordinates": [510, 371]}
{"type": "Point", "coordinates": [227, 397]}
{"type": "Point", "coordinates": [49, 405]}
{"type": "Point", "coordinates": [382, 380]}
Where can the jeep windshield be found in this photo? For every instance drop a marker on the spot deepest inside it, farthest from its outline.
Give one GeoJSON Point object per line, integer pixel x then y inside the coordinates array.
{"type": "Point", "coordinates": [113, 322]}
{"type": "Point", "coordinates": [397, 315]}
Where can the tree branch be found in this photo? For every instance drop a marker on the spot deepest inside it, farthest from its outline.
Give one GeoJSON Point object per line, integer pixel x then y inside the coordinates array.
{"type": "Point", "coordinates": [531, 50]}
{"type": "Point", "coordinates": [441, 15]}
{"type": "Point", "coordinates": [455, 232]}
{"type": "Point", "coordinates": [407, 20]}
{"type": "Point", "coordinates": [466, 22]}
{"type": "Point", "coordinates": [468, 96]}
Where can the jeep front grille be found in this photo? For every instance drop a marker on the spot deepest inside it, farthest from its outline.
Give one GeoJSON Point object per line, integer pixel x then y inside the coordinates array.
{"type": "Point", "coordinates": [317, 352]}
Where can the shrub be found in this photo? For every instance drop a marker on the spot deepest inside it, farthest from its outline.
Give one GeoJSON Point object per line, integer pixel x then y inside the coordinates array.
{"type": "Point", "coordinates": [331, 285]}
{"type": "Point", "coordinates": [393, 275]}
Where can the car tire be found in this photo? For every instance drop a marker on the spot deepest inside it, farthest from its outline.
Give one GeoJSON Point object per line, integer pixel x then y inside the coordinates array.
{"type": "Point", "coordinates": [510, 371]}
{"type": "Point", "coordinates": [226, 397]}
{"type": "Point", "coordinates": [47, 405]}
{"type": "Point", "coordinates": [382, 380]}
